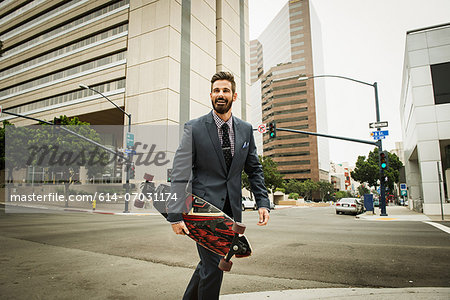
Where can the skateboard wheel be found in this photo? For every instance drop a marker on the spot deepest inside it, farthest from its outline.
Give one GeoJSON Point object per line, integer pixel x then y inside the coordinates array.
{"type": "Point", "coordinates": [225, 265]}
{"type": "Point", "coordinates": [238, 228]}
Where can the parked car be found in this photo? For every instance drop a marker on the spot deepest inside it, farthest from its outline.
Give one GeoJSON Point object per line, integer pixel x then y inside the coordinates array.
{"type": "Point", "coordinates": [247, 202]}
{"type": "Point", "coordinates": [349, 205]}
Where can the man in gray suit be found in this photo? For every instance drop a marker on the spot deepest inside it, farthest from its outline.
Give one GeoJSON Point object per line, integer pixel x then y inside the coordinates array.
{"type": "Point", "coordinates": [214, 150]}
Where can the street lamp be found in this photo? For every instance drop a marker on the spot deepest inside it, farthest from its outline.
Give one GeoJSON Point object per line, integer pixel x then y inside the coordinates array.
{"type": "Point", "coordinates": [303, 77]}
{"type": "Point", "coordinates": [128, 163]}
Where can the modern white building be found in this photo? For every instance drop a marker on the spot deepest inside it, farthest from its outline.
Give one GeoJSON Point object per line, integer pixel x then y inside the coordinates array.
{"type": "Point", "coordinates": [425, 118]}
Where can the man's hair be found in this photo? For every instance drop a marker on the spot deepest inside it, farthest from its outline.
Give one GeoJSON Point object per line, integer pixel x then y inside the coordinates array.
{"type": "Point", "coordinates": [224, 76]}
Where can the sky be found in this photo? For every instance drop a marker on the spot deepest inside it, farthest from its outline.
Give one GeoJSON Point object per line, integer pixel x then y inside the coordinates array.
{"type": "Point", "coordinates": [364, 40]}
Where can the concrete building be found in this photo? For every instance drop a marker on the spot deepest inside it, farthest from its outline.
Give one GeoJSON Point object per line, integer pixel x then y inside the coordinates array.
{"type": "Point", "coordinates": [398, 150]}
{"type": "Point", "coordinates": [287, 48]}
{"type": "Point", "coordinates": [154, 59]}
{"type": "Point", "coordinates": [425, 118]}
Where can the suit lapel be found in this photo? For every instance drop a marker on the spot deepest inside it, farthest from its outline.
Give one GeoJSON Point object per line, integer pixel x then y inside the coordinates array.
{"type": "Point", "coordinates": [238, 142]}
{"type": "Point", "coordinates": [212, 132]}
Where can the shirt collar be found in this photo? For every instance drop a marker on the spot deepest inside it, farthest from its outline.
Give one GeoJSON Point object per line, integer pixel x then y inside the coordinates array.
{"type": "Point", "coordinates": [219, 122]}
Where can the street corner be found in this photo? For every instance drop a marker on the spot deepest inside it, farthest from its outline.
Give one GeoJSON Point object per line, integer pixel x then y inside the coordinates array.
{"type": "Point", "coordinates": [390, 218]}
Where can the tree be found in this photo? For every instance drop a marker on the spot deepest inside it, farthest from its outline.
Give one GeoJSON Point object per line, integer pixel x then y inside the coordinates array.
{"type": "Point", "coordinates": [308, 187]}
{"type": "Point", "coordinates": [343, 194]}
{"type": "Point", "coordinates": [293, 186]}
{"type": "Point", "coordinates": [325, 189]}
{"type": "Point", "coordinates": [367, 170]}
{"type": "Point", "coordinates": [12, 148]}
{"type": "Point", "coordinates": [362, 190]}
{"type": "Point", "coordinates": [272, 178]}
{"type": "Point", "coordinates": [59, 151]}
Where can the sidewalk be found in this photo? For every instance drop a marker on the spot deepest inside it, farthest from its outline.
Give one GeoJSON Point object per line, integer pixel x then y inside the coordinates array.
{"type": "Point", "coordinates": [346, 293]}
{"type": "Point", "coordinates": [399, 213]}
{"type": "Point", "coordinates": [110, 208]}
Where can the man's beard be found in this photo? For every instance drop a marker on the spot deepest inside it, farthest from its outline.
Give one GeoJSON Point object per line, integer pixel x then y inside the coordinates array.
{"type": "Point", "coordinates": [222, 109]}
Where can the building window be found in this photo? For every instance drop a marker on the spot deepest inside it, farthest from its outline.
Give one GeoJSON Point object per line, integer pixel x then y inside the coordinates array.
{"type": "Point", "coordinates": [78, 94]}
{"type": "Point", "coordinates": [102, 63]}
{"type": "Point", "coordinates": [65, 28]}
{"type": "Point", "coordinates": [293, 162]}
{"type": "Point", "coordinates": [440, 74]}
{"type": "Point", "coordinates": [295, 172]}
{"type": "Point", "coordinates": [67, 50]}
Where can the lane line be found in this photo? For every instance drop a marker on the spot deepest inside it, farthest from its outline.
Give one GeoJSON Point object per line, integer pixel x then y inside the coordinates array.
{"type": "Point", "coordinates": [440, 226]}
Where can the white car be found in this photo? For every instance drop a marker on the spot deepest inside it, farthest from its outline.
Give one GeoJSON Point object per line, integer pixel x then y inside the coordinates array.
{"type": "Point", "coordinates": [247, 202]}
{"type": "Point", "coordinates": [349, 205]}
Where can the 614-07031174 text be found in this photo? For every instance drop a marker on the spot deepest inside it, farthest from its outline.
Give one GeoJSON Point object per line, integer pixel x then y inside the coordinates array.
{"type": "Point", "coordinates": [101, 197]}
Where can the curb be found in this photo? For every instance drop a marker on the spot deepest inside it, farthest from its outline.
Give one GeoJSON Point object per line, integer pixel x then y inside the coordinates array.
{"type": "Point", "coordinates": [80, 210]}
{"type": "Point", "coordinates": [346, 293]}
{"type": "Point", "coordinates": [390, 218]}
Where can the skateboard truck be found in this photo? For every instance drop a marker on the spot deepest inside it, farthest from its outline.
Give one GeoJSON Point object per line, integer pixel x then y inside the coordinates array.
{"type": "Point", "coordinates": [225, 263]}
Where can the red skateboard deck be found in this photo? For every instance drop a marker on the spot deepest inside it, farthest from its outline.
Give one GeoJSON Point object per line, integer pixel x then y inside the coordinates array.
{"type": "Point", "coordinates": [208, 225]}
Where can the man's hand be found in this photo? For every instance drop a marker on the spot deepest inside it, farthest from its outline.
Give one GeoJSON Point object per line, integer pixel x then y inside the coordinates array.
{"type": "Point", "coordinates": [263, 216]}
{"type": "Point", "coordinates": [180, 228]}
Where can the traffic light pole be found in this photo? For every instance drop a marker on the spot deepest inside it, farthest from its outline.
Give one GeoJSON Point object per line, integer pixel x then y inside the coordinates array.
{"type": "Point", "coordinates": [380, 149]}
{"type": "Point", "coordinates": [379, 143]}
{"type": "Point", "coordinates": [330, 136]}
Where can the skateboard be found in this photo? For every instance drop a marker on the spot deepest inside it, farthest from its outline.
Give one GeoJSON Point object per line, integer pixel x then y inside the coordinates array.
{"type": "Point", "coordinates": [208, 226]}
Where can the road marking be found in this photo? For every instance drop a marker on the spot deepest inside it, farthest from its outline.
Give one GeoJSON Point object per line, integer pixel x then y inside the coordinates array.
{"type": "Point", "coordinates": [386, 219]}
{"type": "Point", "coordinates": [440, 226]}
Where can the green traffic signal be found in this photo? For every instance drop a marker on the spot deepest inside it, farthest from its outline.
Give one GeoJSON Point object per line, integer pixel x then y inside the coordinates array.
{"type": "Point", "coordinates": [272, 130]}
{"type": "Point", "coordinates": [383, 159]}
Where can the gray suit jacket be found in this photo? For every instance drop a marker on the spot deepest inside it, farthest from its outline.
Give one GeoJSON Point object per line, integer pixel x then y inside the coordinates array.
{"type": "Point", "coordinates": [199, 161]}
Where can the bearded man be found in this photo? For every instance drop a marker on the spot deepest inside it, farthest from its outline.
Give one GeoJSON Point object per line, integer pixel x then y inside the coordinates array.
{"type": "Point", "coordinates": [217, 147]}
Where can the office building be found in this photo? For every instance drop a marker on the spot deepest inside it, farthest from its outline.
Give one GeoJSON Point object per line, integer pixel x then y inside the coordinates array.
{"type": "Point", "coordinates": [154, 59]}
{"type": "Point", "coordinates": [287, 49]}
{"type": "Point", "coordinates": [425, 118]}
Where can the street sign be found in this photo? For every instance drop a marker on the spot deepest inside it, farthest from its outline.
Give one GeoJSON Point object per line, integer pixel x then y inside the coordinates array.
{"type": "Point", "coordinates": [130, 139]}
{"type": "Point", "coordinates": [379, 137]}
{"type": "Point", "coordinates": [403, 186]}
{"type": "Point", "coordinates": [130, 151]}
{"type": "Point", "coordinates": [381, 134]}
{"type": "Point", "coordinates": [262, 128]}
{"type": "Point", "coordinates": [404, 193]}
{"type": "Point", "coordinates": [378, 124]}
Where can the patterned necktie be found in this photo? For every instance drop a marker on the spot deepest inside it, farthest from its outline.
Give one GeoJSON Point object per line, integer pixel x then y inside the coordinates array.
{"type": "Point", "coordinates": [226, 145]}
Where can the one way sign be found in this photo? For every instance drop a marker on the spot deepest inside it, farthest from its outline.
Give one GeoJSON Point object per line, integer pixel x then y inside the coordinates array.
{"type": "Point", "coordinates": [378, 124]}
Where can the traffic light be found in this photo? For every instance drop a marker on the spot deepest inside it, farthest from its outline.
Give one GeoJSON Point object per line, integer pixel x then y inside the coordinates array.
{"type": "Point", "coordinates": [272, 130]}
{"type": "Point", "coordinates": [169, 175]}
{"type": "Point", "coordinates": [384, 160]}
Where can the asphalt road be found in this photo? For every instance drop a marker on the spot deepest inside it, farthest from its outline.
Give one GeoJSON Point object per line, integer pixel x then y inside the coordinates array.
{"type": "Point", "coordinates": [76, 255]}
